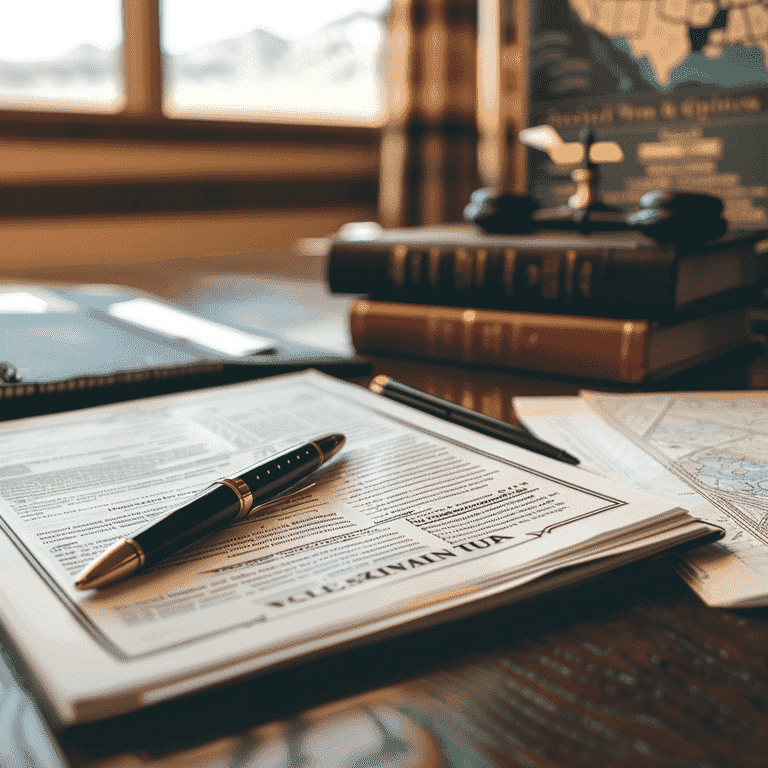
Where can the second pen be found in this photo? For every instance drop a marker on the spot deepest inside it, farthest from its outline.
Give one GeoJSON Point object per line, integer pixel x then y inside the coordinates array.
{"type": "Point", "coordinates": [475, 420]}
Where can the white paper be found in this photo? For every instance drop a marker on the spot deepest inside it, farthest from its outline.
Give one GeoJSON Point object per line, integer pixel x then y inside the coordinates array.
{"type": "Point", "coordinates": [415, 519]}
{"type": "Point", "coordinates": [706, 450]}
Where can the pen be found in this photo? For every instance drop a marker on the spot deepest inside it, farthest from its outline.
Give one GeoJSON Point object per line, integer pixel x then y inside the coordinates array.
{"type": "Point", "coordinates": [443, 409]}
{"type": "Point", "coordinates": [224, 501]}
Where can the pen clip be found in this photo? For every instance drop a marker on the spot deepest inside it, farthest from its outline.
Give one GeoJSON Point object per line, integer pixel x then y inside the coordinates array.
{"type": "Point", "coordinates": [282, 497]}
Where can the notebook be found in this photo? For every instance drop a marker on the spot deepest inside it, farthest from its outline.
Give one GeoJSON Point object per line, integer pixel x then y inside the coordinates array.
{"type": "Point", "coordinates": [78, 345]}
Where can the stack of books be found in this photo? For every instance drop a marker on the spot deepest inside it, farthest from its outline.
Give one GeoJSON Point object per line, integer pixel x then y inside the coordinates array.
{"type": "Point", "coordinates": [616, 306]}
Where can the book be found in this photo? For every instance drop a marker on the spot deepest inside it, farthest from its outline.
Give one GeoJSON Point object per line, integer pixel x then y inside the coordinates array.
{"type": "Point", "coordinates": [417, 521]}
{"type": "Point", "coordinates": [79, 344]}
{"type": "Point", "coordinates": [609, 274]}
{"type": "Point", "coordinates": [623, 350]}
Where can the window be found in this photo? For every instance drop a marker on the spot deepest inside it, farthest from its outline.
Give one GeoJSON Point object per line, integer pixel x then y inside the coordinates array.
{"type": "Point", "coordinates": [291, 60]}
{"type": "Point", "coordinates": [159, 128]}
{"type": "Point", "coordinates": [56, 55]}
{"type": "Point", "coordinates": [128, 134]}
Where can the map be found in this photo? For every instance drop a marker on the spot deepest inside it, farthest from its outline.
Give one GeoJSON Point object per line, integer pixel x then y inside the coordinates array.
{"type": "Point", "coordinates": [709, 451]}
{"type": "Point", "coordinates": [675, 39]}
{"type": "Point", "coordinates": [718, 446]}
{"type": "Point", "coordinates": [666, 79]}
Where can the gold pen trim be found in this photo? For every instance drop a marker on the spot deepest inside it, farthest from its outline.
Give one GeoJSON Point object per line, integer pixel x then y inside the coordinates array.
{"type": "Point", "coordinates": [139, 551]}
{"type": "Point", "coordinates": [319, 450]}
{"type": "Point", "coordinates": [244, 495]}
{"type": "Point", "coordinates": [378, 383]}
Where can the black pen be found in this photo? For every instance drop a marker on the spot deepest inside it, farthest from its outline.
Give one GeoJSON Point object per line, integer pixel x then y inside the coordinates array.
{"type": "Point", "coordinates": [444, 409]}
{"type": "Point", "coordinates": [223, 502]}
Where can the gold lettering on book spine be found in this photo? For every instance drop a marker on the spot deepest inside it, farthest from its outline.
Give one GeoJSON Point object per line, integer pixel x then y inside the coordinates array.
{"type": "Point", "coordinates": [432, 337]}
{"type": "Point", "coordinates": [481, 261]}
{"type": "Point", "coordinates": [433, 269]}
{"type": "Point", "coordinates": [358, 319]}
{"type": "Point", "coordinates": [462, 270]}
{"type": "Point", "coordinates": [584, 279]}
{"type": "Point", "coordinates": [396, 267]}
{"type": "Point", "coordinates": [468, 318]}
{"type": "Point", "coordinates": [550, 276]}
{"type": "Point", "coordinates": [491, 334]}
{"type": "Point", "coordinates": [570, 274]}
{"type": "Point", "coordinates": [508, 272]}
{"type": "Point", "coordinates": [414, 269]}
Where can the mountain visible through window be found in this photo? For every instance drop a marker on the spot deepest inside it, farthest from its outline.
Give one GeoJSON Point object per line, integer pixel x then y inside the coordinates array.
{"type": "Point", "coordinates": [290, 60]}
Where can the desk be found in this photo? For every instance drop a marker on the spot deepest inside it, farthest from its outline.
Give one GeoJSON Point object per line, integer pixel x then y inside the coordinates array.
{"type": "Point", "coordinates": [629, 670]}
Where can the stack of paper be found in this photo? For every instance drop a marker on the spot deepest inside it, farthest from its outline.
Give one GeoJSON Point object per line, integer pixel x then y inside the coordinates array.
{"type": "Point", "coordinates": [416, 521]}
{"type": "Point", "coordinates": [706, 450]}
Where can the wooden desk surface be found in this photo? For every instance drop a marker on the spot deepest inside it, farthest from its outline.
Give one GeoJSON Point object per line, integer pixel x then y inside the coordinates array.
{"type": "Point", "coordinates": [630, 670]}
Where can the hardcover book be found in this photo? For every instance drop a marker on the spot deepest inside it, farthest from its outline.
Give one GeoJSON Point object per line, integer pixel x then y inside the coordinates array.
{"type": "Point", "coordinates": [623, 350]}
{"type": "Point", "coordinates": [613, 274]}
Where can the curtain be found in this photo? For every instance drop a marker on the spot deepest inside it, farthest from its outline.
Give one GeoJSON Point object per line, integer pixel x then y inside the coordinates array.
{"type": "Point", "coordinates": [429, 142]}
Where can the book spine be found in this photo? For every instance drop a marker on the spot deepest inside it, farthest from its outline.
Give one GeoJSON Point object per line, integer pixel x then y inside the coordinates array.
{"type": "Point", "coordinates": [599, 282]}
{"type": "Point", "coordinates": [576, 346]}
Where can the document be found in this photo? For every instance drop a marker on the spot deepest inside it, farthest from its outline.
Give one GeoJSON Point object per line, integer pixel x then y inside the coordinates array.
{"type": "Point", "coordinates": [706, 450]}
{"type": "Point", "coordinates": [415, 521]}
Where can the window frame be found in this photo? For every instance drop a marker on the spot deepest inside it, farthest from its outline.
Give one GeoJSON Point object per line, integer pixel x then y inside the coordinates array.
{"type": "Point", "coordinates": [99, 140]}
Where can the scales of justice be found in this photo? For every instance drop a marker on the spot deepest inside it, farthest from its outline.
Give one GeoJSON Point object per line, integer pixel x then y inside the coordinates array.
{"type": "Point", "coordinates": [668, 216]}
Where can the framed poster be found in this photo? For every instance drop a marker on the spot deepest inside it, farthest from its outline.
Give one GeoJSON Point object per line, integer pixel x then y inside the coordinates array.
{"type": "Point", "coordinates": [681, 85]}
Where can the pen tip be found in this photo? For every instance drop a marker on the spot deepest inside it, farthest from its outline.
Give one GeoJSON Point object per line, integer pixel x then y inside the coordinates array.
{"type": "Point", "coordinates": [116, 563]}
